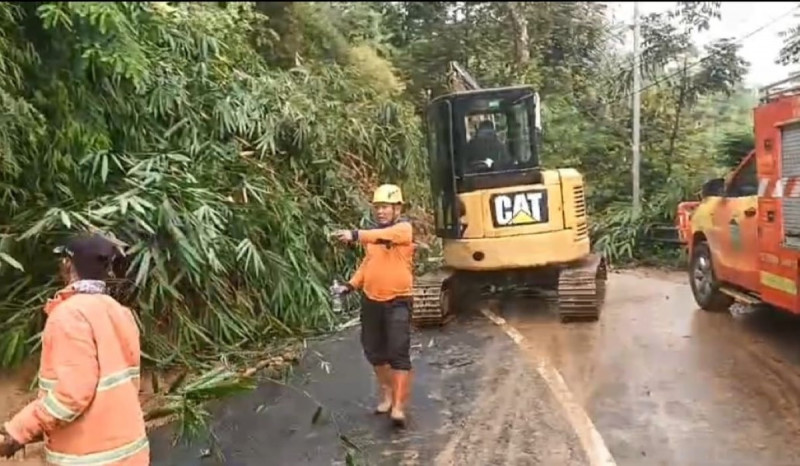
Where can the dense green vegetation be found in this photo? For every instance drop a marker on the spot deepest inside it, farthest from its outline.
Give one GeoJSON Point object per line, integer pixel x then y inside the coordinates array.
{"type": "Point", "coordinates": [182, 130]}
{"type": "Point", "coordinates": [222, 141]}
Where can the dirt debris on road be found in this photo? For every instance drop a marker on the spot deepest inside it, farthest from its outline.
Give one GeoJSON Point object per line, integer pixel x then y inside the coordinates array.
{"type": "Point", "coordinates": [513, 420]}
{"type": "Point", "coordinates": [475, 401]}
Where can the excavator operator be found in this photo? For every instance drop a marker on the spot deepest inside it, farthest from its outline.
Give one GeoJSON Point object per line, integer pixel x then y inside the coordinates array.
{"type": "Point", "coordinates": [385, 276]}
{"type": "Point", "coordinates": [486, 145]}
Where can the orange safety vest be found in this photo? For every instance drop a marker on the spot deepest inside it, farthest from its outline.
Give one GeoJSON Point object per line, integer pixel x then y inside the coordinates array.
{"type": "Point", "coordinates": [88, 405]}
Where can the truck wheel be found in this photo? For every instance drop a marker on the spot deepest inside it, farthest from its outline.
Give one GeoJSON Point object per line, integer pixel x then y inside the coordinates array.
{"type": "Point", "coordinates": [705, 286]}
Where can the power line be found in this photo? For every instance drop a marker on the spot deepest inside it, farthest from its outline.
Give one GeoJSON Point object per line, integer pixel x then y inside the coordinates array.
{"type": "Point", "coordinates": [619, 31]}
{"type": "Point", "coordinates": [623, 29]}
{"type": "Point", "coordinates": [599, 105]}
{"type": "Point", "coordinates": [642, 52]}
{"type": "Point", "coordinates": [710, 55]}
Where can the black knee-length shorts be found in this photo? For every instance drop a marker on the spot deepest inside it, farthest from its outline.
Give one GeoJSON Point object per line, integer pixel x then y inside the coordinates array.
{"type": "Point", "coordinates": [386, 332]}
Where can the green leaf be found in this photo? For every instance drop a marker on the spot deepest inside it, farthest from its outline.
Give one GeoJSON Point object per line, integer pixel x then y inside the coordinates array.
{"type": "Point", "coordinates": [11, 261]}
{"type": "Point", "coordinates": [104, 169]}
{"type": "Point", "coordinates": [65, 219]}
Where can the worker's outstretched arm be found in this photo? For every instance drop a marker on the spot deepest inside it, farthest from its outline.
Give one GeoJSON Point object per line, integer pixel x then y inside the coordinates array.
{"type": "Point", "coordinates": [400, 233]}
{"type": "Point", "coordinates": [72, 347]}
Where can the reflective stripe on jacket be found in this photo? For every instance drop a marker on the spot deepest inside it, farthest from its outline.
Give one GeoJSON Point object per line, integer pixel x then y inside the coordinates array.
{"type": "Point", "coordinates": [88, 405]}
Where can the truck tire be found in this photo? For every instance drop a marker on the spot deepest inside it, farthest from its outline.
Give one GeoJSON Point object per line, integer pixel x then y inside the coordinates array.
{"type": "Point", "coordinates": [704, 283]}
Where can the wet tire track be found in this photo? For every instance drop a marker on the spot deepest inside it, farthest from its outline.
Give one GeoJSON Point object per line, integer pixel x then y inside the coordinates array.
{"type": "Point", "coordinates": [669, 384]}
{"type": "Point", "coordinates": [512, 421]}
{"type": "Point", "coordinates": [514, 449]}
{"type": "Point", "coordinates": [752, 359]}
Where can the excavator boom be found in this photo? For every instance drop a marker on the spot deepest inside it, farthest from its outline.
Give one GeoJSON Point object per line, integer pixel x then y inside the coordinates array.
{"type": "Point", "coordinates": [460, 80]}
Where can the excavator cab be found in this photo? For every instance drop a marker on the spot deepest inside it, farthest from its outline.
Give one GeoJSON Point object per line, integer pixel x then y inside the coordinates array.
{"type": "Point", "coordinates": [479, 140]}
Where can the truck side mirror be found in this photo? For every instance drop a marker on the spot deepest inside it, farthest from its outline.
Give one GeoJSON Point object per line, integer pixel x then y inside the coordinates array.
{"type": "Point", "coordinates": [714, 187]}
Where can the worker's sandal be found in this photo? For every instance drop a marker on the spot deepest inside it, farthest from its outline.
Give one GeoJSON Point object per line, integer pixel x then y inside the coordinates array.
{"type": "Point", "coordinates": [384, 376]}
{"type": "Point", "coordinates": [401, 389]}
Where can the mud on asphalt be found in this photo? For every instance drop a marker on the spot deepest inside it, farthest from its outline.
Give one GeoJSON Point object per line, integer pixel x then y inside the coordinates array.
{"type": "Point", "coordinates": [476, 401]}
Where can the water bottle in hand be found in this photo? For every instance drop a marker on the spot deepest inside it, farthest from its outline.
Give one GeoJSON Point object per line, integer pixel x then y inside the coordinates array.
{"type": "Point", "coordinates": [336, 295]}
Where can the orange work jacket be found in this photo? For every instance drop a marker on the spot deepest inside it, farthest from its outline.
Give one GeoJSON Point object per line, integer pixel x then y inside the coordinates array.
{"type": "Point", "coordinates": [387, 271]}
{"type": "Point", "coordinates": [88, 405]}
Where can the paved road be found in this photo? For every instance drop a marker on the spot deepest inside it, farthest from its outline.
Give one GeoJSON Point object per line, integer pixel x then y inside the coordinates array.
{"type": "Point", "coordinates": [664, 383]}
{"type": "Point", "coordinates": [477, 402]}
{"type": "Point", "coordinates": [668, 384]}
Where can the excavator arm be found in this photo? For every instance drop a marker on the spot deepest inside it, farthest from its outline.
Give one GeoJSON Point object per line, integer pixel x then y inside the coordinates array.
{"type": "Point", "coordinates": [459, 80]}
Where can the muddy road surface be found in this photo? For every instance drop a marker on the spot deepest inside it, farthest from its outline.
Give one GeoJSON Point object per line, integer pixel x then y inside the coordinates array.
{"type": "Point", "coordinates": [476, 401]}
{"type": "Point", "coordinates": [668, 384]}
{"type": "Point", "coordinates": [658, 382]}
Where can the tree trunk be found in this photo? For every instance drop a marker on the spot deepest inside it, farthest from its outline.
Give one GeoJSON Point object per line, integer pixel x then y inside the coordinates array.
{"type": "Point", "coordinates": [679, 103]}
{"type": "Point", "coordinates": [519, 26]}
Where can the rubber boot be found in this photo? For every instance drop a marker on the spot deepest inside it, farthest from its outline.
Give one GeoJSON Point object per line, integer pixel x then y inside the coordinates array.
{"type": "Point", "coordinates": [384, 376]}
{"type": "Point", "coordinates": [401, 390]}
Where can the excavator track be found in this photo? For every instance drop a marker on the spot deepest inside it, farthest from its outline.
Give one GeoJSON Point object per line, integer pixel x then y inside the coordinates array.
{"type": "Point", "coordinates": [582, 288]}
{"type": "Point", "coordinates": [432, 301]}
{"type": "Point", "coordinates": [579, 294]}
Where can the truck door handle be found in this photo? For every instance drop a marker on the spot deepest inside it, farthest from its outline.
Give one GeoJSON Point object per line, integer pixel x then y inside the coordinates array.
{"type": "Point", "coordinates": [750, 212]}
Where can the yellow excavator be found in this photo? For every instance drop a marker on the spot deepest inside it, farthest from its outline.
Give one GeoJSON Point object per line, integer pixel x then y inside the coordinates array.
{"type": "Point", "coordinates": [505, 222]}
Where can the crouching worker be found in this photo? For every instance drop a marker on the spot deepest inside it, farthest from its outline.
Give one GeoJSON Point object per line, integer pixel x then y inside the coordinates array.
{"type": "Point", "coordinates": [88, 407]}
{"type": "Point", "coordinates": [385, 276]}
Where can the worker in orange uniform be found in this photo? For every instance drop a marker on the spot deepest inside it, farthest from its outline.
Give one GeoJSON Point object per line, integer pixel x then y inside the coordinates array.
{"type": "Point", "coordinates": [88, 406]}
{"type": "Point", "coordinates": [385, 276]}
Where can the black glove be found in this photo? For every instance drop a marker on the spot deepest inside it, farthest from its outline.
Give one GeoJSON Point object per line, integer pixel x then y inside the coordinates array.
{"type": "Point", "coordinates": [9, 446]}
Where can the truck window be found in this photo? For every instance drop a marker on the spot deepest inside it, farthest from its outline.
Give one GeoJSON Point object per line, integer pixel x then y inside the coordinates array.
{"type": "Point", "coordinates": [745, 183]}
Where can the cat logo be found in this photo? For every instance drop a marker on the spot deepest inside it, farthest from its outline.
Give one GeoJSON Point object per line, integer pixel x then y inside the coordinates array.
{"type": "Point", "coordinates": [521, 208]}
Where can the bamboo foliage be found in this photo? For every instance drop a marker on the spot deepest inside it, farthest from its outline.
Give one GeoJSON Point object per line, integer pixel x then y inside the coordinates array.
{"type": "Point", "coordinates": [162, 124]}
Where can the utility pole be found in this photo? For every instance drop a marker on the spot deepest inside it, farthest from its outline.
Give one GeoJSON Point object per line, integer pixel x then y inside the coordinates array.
{"type": "Point", "coordinates": [637, 84]}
